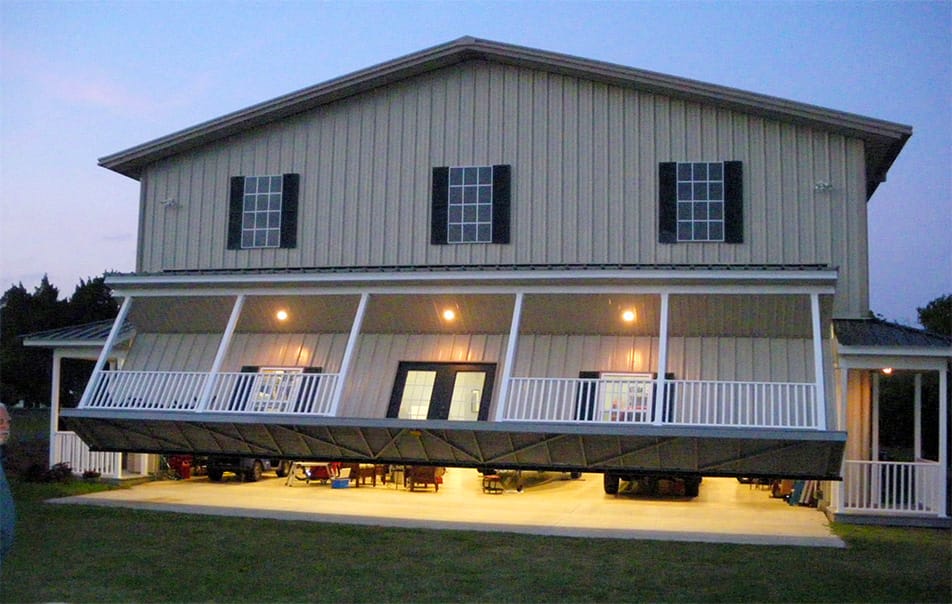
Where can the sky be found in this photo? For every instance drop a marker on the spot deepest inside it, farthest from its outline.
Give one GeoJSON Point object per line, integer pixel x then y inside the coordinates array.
{"type": "Point", "coordinates": [81, 80]}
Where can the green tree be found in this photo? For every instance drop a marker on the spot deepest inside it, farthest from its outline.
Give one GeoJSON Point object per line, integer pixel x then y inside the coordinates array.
{"type": "Point", "coordinates": [25, 372]}
{"type": "Point", "coordinates": [92, 301]}
{"type": "Point", "coordinates": [936, 316]}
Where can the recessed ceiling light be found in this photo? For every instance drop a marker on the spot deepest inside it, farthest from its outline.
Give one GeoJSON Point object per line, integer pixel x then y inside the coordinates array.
{"type": "Point", "coordinates": [628, 316]}
{"type": "Point", "coordinates": [449, 314]}
{"type": "Point", "coordinates": [281, 315]}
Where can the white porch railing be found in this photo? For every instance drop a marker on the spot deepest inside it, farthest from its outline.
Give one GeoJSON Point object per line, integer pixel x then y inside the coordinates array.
{"type": "Point", "coordinates": [749, 404]}
{"type": "Point", "coordinates": [300, 393]}
{"type": "Point", "coordinates": [71, 449]}
{"type": "Point", "coordinates": [688, 402]}
{"type": "Point", "coordinates": [582, 399]}
{"type": "Point", "coordinates": [169, 390]}
{"type": "Point", "coordinates": [888, 487]}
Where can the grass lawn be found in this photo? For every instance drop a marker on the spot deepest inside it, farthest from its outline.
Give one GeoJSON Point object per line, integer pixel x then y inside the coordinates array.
{"type": "Point", "coordinates": [83, 554]}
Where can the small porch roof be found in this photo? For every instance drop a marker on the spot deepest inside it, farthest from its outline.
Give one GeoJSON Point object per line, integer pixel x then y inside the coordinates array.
{"type": "Point", "coordinates": [876, 332]}
{"type": "Point", "coordinates": [81, 335]}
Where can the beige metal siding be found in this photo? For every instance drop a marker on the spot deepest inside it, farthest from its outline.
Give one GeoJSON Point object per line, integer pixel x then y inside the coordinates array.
{"type": "Point", "coordinates": [689, 358]}
{"type": "Point", "coordinates": [584, 159]}
{"type": "Point", "coordinates": [172, 352]}
{"type": "Point", "coordinates": [286, 350]}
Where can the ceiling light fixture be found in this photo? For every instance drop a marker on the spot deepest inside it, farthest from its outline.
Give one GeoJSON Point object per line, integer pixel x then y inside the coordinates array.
{"type": "Point", "coordinates": [628, 316]}
{"type": "Point", "coordinates": [449, 314]}
{"type": "Point", "coordinates": [281, 315]}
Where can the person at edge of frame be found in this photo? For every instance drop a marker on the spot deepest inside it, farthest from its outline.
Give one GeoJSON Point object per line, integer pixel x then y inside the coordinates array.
{"type": "Point", "coordinates": [7, 511]}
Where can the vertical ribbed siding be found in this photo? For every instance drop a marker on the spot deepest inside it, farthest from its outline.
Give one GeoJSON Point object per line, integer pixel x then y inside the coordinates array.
{"type": "Point", "coordinates": [584, 159]}
{"type": "Point", "coordinates": [689, 358]}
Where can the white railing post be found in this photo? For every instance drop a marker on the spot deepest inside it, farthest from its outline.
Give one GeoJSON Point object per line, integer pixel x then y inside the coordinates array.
{"type": "Point", "coordinates": [349, 353]}
{"type": "Point", "coordinates": [917, 418]}
{"type": "Point", "coordinates": [874, 420]}
{"type": "Point", "coordinates": [511, 347]}
{"type": "Point", "coordinates": [660, 394]}
{"type": "Point", "coordinates": [106, 349]}
{"type": "Point", "coordinates": [819, 373]}
{"type": "Point", "coordinates": [942, 470]}
{"type": "Point", "coordinates": [54, 405]}
{"type": "Point", "coordinates": [210, 379]}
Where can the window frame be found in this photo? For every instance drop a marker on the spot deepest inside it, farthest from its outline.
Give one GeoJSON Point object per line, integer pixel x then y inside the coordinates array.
{"type": "Point", "coordinates": [469, 205]}
{"type": "Point", "coordinates": [700, 195]}
{"type": "Point", "coordinates": [270, 232]}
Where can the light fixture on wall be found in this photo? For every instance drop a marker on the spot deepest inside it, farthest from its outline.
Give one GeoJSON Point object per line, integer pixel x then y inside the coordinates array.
{"type": "Point", "coordinates": [887, 370]}
{"type": "Point", "coordinates": [822, 186]}
{"type": "Point", "coordinates": [281, 315]}
{"type": "Point", "coordinates": [169, 202]}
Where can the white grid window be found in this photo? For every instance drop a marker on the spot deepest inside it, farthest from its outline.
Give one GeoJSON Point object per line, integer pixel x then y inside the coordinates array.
{"type": "Point", "coordinates": [701, 201]}
{"type": "Point", "coordinates": [261, 212]}
{"type": "Point", "coordinates": [470, 206]}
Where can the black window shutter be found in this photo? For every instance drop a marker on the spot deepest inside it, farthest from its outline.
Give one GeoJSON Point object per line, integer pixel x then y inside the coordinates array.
{"type": "Point", "coordinates": [668, 202]}
{"type": "Point", "coordinates": [439, 203]}
{"type": "Point", "coordinates": [585, 397]}
{"type": "Point", "coordinates": [289, 210]}
{"type": "Point", "coordinates": [733, 202]}
{"type": "Point", "coordinates": [235, 206]}
{"type": "Point", "coordinates": [242, 390]}
{"type": "Point", "coordinates": [307, 390]}
{"type": "Point", "coordinates": [502, 202]}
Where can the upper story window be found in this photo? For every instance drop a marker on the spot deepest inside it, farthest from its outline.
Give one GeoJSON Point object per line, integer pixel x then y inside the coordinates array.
{"type": "Point", "coordinates": [470, 218]}
{"type": "Point", "coordinates": [470, 204]}
{"type": "Point", "coordinates": [701, 202]}
{"type": "Point", "coordinates": [263, 212]}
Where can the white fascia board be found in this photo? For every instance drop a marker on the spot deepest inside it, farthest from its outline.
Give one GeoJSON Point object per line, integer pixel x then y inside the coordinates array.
{"type": "Point", "coordinates": [63, 343]}
{"type": "Point", "coordinates": [634, 281]}
{"type": "Point", "coordinates": [893, 360]}
{"type": "Point", "coordinates": [895, 351]}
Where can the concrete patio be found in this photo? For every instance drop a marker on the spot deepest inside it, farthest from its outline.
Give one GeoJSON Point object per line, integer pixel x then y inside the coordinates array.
{"type": "Point", "coordinates": [724, 512]}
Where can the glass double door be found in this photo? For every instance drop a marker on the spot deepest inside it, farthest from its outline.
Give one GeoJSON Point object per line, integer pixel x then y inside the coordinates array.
{"type": "Point", "coordinates": [454, 391]}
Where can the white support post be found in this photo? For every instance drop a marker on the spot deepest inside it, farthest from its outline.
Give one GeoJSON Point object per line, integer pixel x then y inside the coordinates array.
{"type": "Point", "coordinates": [659, 399]}
{"type": "Point", "coordinates": [917, 420]}
{"type": "Point", "coordinates": [819, 373]}
{"type": "Point", "coordinates": [349, 353]}
{"type": "Point", "coordinates": [205, 397]}
{"type": "Point", "coordinates": [874, 421]}
{"type": "Point", "coordinates": [511, 348]}
{"type": "Point", "coordinates": [55, 404]}
{"type": "Point", "coordinates": [943, 442]}
{"type": "Point", "coordinates": [839, 492]}
{"type": "Point", "coordinates": [107, 348]}
{"type": "Point", "coordinates": [844, 398]}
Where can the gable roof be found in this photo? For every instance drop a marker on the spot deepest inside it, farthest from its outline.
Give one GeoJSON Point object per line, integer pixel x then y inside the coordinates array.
{"type": "Point", "coordinates": [884, 140]}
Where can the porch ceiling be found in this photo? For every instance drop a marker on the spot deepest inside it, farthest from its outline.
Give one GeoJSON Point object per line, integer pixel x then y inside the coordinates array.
{"type": "Point", "coordinates": [690, 315]}
{"type": "Point", "coordinates": [710, 452]}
